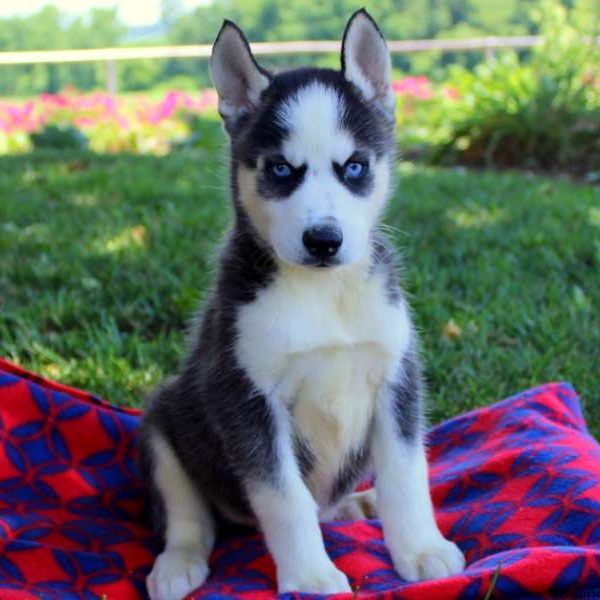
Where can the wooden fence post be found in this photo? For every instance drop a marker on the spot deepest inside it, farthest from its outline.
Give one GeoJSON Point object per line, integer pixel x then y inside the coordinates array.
{"type": "Point", "coordinates": [111, 76]}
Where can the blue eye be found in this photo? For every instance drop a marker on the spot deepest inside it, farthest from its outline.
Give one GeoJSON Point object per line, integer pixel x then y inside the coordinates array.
{"type": "Point", "coordinates": [354, 170]}
{"type": "Point", "coordinates": [281, 170]}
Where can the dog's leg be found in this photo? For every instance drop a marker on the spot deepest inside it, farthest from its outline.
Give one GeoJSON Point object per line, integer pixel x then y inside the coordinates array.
{"type": "Point", "coordinates": [189, 528]}
{"type": "Point", "coordinates": [418, 549]}
{"type": "Point", "coordinates": [288, 517]}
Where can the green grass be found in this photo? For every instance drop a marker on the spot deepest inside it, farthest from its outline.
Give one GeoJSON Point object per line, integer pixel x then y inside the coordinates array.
{"type": "Point", "coordinates": [103, 259]}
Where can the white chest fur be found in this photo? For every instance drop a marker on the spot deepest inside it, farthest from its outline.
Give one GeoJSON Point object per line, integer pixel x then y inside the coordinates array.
{"type": "Point", "coordinates": [322, 342]}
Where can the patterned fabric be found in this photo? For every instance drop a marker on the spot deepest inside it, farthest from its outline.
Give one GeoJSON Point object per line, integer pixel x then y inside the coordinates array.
{"type": "Point", "coordinates": [516, 485]}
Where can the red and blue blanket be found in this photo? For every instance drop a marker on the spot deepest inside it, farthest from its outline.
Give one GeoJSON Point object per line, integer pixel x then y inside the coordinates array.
{"type": "Point", "coordinates": [515, 484]}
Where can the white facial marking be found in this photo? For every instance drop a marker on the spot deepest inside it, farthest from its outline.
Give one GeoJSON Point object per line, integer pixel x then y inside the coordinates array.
{"type": "Point", "coordinates": [317, 140]}
{"type": "Point", "coordinates": [313, 118]}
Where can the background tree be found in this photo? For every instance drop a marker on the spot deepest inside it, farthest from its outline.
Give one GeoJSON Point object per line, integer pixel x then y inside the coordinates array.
{"type": "Point", "coordinates": [263, 20]}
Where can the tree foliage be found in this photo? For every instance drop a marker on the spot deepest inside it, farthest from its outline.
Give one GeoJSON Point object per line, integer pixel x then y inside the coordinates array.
{"type": "Point", "coordinates": [48, 29]}
{"type": "Point", "coordinates": [264, 20]}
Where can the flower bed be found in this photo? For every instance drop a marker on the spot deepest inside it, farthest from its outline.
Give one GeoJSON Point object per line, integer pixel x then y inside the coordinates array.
{"type": "Point", "coordinates": [137, 123]}
{"type": "Point", "coordinates": [143, 124]}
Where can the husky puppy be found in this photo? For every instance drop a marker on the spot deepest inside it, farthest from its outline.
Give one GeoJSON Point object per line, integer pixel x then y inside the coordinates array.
{"type": "Point", "coordinates": [303, 371]}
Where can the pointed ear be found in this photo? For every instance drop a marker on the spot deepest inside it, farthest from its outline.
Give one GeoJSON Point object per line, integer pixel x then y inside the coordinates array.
{"type": "Point", "coordinates": [366, 59]}
{"type": "Point", "coordinates": [238, 78]}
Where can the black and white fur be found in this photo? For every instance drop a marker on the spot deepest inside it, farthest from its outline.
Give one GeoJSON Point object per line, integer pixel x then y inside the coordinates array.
{"type": "Point", "coordinates": [304, 369]}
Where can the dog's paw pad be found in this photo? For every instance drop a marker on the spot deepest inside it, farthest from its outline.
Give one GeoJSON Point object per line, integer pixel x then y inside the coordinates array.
{"type": "Point", "coordinates": [176, 573]}
{"type": "Point", "coordinates": [329, 581]}
{"type": "Point", "coordinates": [435, 561]}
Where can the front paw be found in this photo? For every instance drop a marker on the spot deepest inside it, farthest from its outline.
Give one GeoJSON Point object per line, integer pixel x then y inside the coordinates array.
{"type": "Point", "coordinates": [434, 560]}
{"type": "Point", "coordinates": [321, 580]}
{"type": "Point", "coordinates": [176, 573]}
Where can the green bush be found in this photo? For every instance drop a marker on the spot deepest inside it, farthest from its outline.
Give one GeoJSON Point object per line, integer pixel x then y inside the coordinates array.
{"type": "Point", "coordinates": [543, 113]}
{"type": "Point", "coordinates": [62, 137]}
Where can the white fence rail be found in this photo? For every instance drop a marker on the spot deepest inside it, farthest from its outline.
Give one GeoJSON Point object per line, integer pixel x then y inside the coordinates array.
{"type": "Point", "coordinates": [110, 55]}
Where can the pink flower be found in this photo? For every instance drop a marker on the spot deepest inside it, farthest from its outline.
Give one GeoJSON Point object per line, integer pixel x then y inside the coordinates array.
{"type": "Point", "coordinates": [415, 87]}
{"type": "Point", "coordinates": [60, 100]}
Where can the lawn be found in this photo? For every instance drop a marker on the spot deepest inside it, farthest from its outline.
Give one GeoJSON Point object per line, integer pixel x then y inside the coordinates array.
{"type": "Point", "coordinates": [103, 259]}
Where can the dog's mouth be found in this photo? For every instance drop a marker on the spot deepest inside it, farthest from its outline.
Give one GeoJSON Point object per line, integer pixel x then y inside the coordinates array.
{"type": "Point", "coordinates": [321, 263]}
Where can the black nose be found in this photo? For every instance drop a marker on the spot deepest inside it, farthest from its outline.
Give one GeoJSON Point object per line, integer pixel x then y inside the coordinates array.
{"type": "Point", "coordinates": [322, 241]}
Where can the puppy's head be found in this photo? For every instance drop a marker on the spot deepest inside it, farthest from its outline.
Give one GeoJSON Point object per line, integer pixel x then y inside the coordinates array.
{"type": "Point", "coordinates": [312, 149]}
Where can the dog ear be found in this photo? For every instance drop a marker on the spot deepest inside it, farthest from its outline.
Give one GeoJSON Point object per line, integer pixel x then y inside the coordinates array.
{"type": "Point", "coordinates": [238, 78]}
{"type": "Point", "coordinates": [366, 59]}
